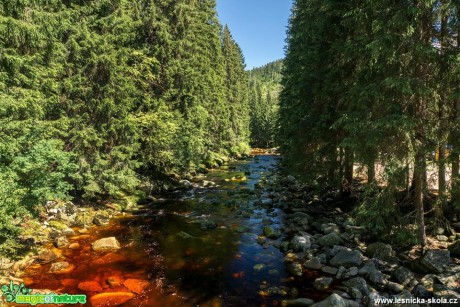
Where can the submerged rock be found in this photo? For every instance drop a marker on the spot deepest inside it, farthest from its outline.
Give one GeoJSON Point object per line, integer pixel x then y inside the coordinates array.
{"type": "Point", "coordinates": [271, 233]}
{"type": "Point", "coordinates": [61, 242]}
{"type": "Point", "coordinates": [90, 286]}
{"type": "Point", "coordinates": [136, 285]}
{"type": "Point", "coordinates": [110, 298]}
{"type": "Point", "coordinates": [61, 268]}
{"type": "Point", "coordinates": [294, 268]}
{"type": "Point", "coordinates": [106, 244]}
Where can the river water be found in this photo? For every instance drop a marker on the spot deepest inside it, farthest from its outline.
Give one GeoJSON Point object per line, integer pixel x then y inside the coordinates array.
{"type": "Point", "coordinates": [165, 244]}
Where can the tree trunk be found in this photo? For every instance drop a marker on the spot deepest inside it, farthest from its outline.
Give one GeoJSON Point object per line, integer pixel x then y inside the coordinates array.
{"type": "Point", "coordinates": [371, 172]}
{"type": "Point", "coordinates": [349, 161]}
{"type": "Point", "coordinates": [419, 171]}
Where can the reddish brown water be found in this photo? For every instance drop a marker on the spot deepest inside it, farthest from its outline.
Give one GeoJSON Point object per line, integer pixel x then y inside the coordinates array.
{"type": "Point", "coordinates": [184, 264]}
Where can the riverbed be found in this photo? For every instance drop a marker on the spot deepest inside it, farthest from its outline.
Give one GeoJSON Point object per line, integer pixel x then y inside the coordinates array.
{"type": "Point", "coordinates": [195, 246]}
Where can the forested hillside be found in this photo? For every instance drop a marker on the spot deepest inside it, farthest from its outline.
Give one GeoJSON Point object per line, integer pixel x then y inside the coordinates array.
{"type": "Point", "coordinates": [100, 97]}
{"type": "Point", "coordinates": [375, 83]}
{"type": "Point", "coordinates": [264, 88]}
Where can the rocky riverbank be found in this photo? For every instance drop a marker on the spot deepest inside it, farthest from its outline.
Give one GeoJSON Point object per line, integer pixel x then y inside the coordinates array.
{"type": "Point", "coordinates": [319, 238]}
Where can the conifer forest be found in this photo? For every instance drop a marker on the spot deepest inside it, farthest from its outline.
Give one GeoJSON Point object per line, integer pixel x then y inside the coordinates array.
{"type": "Point", "coordinates": [143, 163]}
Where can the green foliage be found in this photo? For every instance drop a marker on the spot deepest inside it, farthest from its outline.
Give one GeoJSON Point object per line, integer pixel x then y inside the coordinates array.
{"type": "Point", "coordinates": [98, 96]}
{"type": "Point", "coordinates": [264, 88]}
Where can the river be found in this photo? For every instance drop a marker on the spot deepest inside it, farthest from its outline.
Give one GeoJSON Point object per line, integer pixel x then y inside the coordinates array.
{"type": "Point", "coordinates": [167, 243]}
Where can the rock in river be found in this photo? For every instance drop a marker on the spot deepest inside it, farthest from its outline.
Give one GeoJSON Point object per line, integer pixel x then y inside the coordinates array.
{"type": "Point", "coordinates": [271, 233]}
{"type": "Point", "coordinates": [106, 244]}
{"type": "Point", "coordinates": [110, 298]}
{"type": "Point", "coordinates": [61, 268]}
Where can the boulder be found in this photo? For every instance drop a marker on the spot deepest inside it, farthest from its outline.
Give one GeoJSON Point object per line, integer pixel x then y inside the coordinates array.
{"type": "Point", "coordinates": [454, 248]}
{"type": "Point", "coordinates": [347, 258]}
{"type": "Point", "coordinates": [106, 244]}
{"type": "Point", "coordinates": [300, 243]}
{"type": "Point", "coordinates": [436, 260]}
{"type": "Point", "coordinates": [209, 224]}
{"type": "Point", "coordinates": [329, 270]}
{"type": "Point", "coordinates": [380, 250]}
{"type": "Point", "coordinates": [61, 242]}
{"type": "Point", "coordinates": [441, 291]}
{"type": "Point", "coordinates": [395, 287]}
{"type": "Point", "coordinates": [336, 301]}
{"type": "Point", "coordinates": [322, 283]}
{"type": "Point", "coordinates": [89, 286]}
{"type": "Point", "coordinates": [405, 277]}
{"type": "Point", "coordinates": [136, 285]}
{"type": "Point", "coordinates": [313, 264]}
{"type": "Point", "coordinates": [294, 268]}
{"type": "Point", "coordinates": [271, 233]}
{"type": "Point", "coordinates": [101, 219]}
{"type": "Point", "coordinates": [358, 283]}
{"type": "Point", "coordinates": [110, 299]}
{"type": "Point", "coordinates": [61, 268]}
{"type": "Point", "coordinates": [330, 227]}
{"type": "Point", "coordinates": [297, 302]}
{"type": "Point", "coordinates": [46, 256]}
{"type": "Point", "coordinates": [330, 240]}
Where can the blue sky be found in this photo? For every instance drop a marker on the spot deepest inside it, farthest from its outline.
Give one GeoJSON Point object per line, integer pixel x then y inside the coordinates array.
{"type": "Point", "coordinates": [258, 26]}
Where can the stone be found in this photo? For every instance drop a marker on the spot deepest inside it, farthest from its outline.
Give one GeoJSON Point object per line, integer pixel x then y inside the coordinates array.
{"type": "Point", "coordinates": [271, 233]}
{"type": "Point", "coordinates": [294, 268]}
{"type": "Point", "coordinates": [351, 272]}
{"type": "Point", "coordinates": [330, 240]}
{"type": "Point", "coordinates": [209, 224]}
{"type": "Point", "coordinates": [379, 250]}
{"type": "Point", "coordinates": [441, 291]}
{"type": "Point", "coordinates": [68, 232]}
{"type": "Point", "coordinates": [109, 258]}
{"type": "Point", "coordinates": [322, 283]}
{"type": "Point", "coordinates": [405, 295]}
{"type": "Point", "coordinates": [297, 302]}
{"type": "Point", "coordinates": [454, 248]}
{"type": "Point", "coordinates": [110, 298]}
{"type": "Point", "coordinates": [372, 298]}
{"type": "Point", "coordinates": [436, 260]}
{"type": "Point", "coordinates": [259, 267]}
{"type": "Point", "coordinates": [74, 246]}
{"type": "Point", "coordinates": [329, 228]}
{"type": "Point", "coordinates": [136, 285]}
{"type": "Point", "coordinates": [428, 280]}
{"type": "Point", "coordinates": [442, 238]}
{"type": "Point", "coordinates": [329, 270]}
{"type": "Point", "coordinates": [61, 242]}
{"type": "Point", "coordinates": [46, 256]}
{"type": "Point", "coordinates": [395, 287]}
{"type": "Point", "coordinates": [114, 281]}
{"type": "Point", "coordinates": [101, 219]}
{"type": "Point", "coordinates": [405, 277]}
{"type": "Point", "coordinates": [185, 184]}
{"type": "Point", "coordinates": [61, 268]}
{"type": "Point", "coordinates": [377, 278]}
{"type": "Point", "coordinates": [313, 264]}
{"type": "Point", "coordinates": [358, 283]}
{"type": "Point", "coordinates": [336, 301]}
{"type": "Point", "coordinates": [340, 272]}
{"type": "Point", "coordinates": [300, 243]}
{"type": "Point", "coordinates": [106, 244]}
{"type": "Point", "coordinates": [347, 258]}
{"type": "Point", "coordinates": [89, 286]}
{"type": "Point", "coordinates": [421, 292]}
